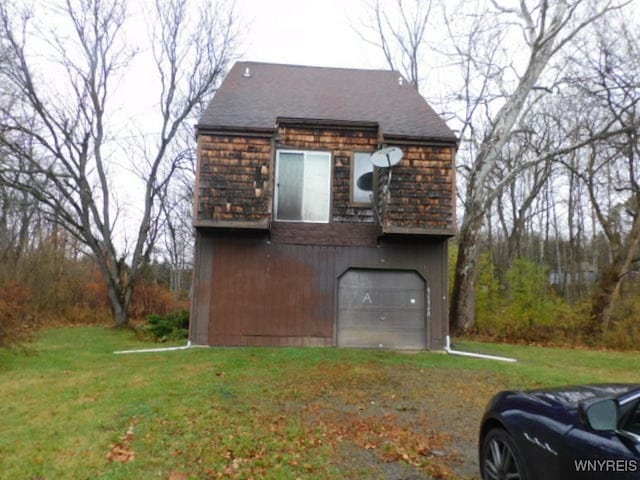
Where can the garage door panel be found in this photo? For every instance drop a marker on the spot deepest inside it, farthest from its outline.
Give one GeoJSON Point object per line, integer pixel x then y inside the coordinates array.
{"type": "Point", "coordinates": [372, 278]}
{"type": "Point", "coordinates": [381, 308]}
{"type": "Point", "coordinates": [380, 338]}
{"type": "Point", "coordinates": [358, 297]}
{"type": "Point", "coordinates": [387, 319]}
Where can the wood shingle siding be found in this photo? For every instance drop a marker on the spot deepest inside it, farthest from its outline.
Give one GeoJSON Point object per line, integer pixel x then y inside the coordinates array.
{"type": "Point", "coordinates": [422, 190]}
{"type": "Point", "coordinates": [234, 179]}
{"type": "Point", "coordinates": [235, 182]}
{"type": "Point", "coordinates": [342, 143]}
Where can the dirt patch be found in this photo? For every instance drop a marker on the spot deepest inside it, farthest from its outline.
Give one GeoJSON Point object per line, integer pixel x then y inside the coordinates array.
{"type": "Point", "coordinates": [397, 423]}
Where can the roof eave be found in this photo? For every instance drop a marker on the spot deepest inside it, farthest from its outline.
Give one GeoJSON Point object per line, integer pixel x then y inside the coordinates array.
{"type": "Point", "coordinates": [392, 230]}
{"type": "Point", "coordinates": [207, 129]}
{"type": "Point", "coordinates": [326, 122]}
{"type": "Point", "coordinates": [202, 129]}
{"type": "Point", "coordinates": [418, 139]}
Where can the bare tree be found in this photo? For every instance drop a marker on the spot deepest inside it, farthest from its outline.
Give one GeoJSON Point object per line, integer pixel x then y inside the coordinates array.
{"type": "Point", "coordinates": [500, 53]}
{"type": "Point", "coordinates": [610, 171]}
{"type": "Point", "coordinates": [18, 214]}
{"type": "Point", "coordinates": [516, 206]}
{"type": "Point", "coordinates": [177, 214]}
{"type": "Point", "coordinates": [400, 34]}
{"type": "Point", "coordinates": [70, 172]}
{"type": "Point", "coordinates": [546, 30]}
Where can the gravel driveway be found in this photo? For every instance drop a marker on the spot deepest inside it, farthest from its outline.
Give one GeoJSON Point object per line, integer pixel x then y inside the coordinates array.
{"type": "Point", "coordinates": [403, 423]}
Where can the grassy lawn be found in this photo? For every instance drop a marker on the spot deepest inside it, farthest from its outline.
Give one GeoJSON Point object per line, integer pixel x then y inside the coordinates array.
{"type": "Point", "coordinates": [71, 409]}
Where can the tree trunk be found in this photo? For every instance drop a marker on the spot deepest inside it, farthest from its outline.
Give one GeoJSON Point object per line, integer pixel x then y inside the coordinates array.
{"type": "Point", "coordinates": [603, 300]}
{"type": "Point", "coordinates": [463, 297]}
{"type": "Point", "coordinates": [119, 305]}
{"type": "Point", "coordinates": [608, 288]}
{"type": "Point", "coordinates": [120, 316]}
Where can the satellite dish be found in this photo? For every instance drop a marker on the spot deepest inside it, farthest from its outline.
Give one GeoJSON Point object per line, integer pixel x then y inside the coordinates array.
{"type": "Point", "coordinates": [365, 182]}
{"type": "Point", "coordinates": [386, 157]}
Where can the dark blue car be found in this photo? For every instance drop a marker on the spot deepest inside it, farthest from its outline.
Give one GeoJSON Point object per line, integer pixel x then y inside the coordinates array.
{"type": "Point", "coordinates": [589, 432]}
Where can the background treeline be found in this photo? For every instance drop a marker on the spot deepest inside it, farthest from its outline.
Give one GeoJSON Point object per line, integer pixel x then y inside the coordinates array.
{"type": "Point", "coordinates": [530, 303]}
{"type": "Point", "coordinates": [47, 279]}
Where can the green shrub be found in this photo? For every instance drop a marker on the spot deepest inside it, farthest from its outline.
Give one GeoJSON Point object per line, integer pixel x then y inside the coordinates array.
{"type": "Point", "coordinates": [527, 311]}
{"type": "Point", "coordinates": [529, 300]}
{"type": "Point", "coordinates": [169, 326]}
{"type": "Point", "coordinates": [624, 331]}
{"type": "Point", "coordinates": [488, 290]}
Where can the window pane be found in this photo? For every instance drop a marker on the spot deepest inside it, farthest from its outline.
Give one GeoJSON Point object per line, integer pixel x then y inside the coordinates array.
{"type": "Point", "coordinates": [362, 178]}
{"type": "Point", "coordinates": [317, 187]}
{"type": "Point", "coordinates": [290, 186]}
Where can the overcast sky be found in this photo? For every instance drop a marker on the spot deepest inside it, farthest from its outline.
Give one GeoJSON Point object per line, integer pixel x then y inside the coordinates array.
{"type": "Point", "coordinates": [306, 32]}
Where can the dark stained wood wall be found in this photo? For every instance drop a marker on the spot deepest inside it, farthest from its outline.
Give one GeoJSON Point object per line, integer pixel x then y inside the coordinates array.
{"type": "Point", "coordinates": [233, 179]}
{"type": "Point", "coordinates": [354, 234]}
{"type": "Point", "coordinates": [251, 291]}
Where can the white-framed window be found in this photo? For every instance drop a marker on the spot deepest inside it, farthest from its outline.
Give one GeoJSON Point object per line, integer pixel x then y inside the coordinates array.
{"type": "Point", "coordinates": [361, 178]}
{"type": "Point", "coordinates": [303, 186]}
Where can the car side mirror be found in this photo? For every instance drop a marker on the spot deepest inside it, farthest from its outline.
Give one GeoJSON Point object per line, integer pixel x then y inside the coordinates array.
{"type": "Point", "coordinates": [601, 415]}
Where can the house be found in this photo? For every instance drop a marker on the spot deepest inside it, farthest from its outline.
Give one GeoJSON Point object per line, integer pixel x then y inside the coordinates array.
{"type": "Point", "coordinates": [300, 240]}
{"type": "Point", "coordinates": [585, 274]}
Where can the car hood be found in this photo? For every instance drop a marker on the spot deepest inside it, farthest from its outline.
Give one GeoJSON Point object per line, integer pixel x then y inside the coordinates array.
{"type": "Point", "coordinates": [572, 396]}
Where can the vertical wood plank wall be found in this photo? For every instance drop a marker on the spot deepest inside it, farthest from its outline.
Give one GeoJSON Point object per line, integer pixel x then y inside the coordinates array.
{"type": "Point", "coordinates": [255, 292]}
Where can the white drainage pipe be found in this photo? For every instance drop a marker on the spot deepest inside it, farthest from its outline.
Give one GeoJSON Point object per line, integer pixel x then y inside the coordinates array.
{"type": "Point", "coordinates": [151, 350]}
{"type": "Point", "coordinates": [447, 348]}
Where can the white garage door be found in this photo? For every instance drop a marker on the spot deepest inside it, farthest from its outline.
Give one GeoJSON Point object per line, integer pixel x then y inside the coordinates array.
{"type": "Point", "coordinates": [381, 309]}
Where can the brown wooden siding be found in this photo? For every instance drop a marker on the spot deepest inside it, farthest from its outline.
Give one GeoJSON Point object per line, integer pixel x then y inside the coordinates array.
{"type": "Point", "coordinates": [266, 293]}
{"type": "Point", "coordinates": [201, 295]}
{"type": "Point", "coordinates": [234, 179]}
{"type": "Point", "coordinates": [354, 234]}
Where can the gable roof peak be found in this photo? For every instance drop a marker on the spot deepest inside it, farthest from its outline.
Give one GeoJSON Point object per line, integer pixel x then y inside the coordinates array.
{"type": "Point", "coordinates": [255, 94]}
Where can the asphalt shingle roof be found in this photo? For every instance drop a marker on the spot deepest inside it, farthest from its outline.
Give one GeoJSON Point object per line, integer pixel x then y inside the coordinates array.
{"type": "Point", "coordinates": [320, 93]}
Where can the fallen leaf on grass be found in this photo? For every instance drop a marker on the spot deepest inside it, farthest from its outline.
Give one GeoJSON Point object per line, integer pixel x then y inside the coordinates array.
{"type": "Point", "coordinates": [177, 476]}
{"type": "Point", "coordinates": [122, 451]}
{"type": "Point", "coordinates": [118, 453]}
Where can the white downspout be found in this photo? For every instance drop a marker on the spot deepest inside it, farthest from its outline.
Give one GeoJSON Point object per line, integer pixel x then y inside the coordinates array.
{"type": "Point", "coordinates": [151, 350]}
{"type": "Point", "coordinates": [447, 348]}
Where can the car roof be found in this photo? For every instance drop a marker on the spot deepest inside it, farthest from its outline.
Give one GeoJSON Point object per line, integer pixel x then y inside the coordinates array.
{"type": "Point", "coordinates": [630, 396]}
{"type": "Point", "coordinates": [572, 396]}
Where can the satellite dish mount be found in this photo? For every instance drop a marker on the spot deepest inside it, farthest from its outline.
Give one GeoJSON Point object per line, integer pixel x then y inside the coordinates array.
{"type": "Point", "coordinates": [385, 158]}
